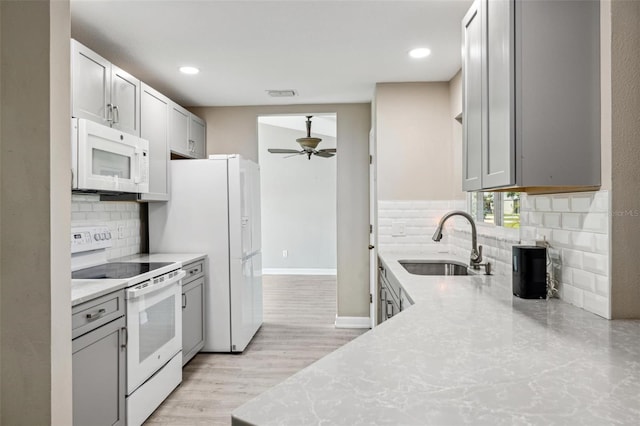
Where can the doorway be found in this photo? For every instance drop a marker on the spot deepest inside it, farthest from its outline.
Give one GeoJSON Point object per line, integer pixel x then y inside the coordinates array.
{"type": "Point", "coordinates": [298, 197]}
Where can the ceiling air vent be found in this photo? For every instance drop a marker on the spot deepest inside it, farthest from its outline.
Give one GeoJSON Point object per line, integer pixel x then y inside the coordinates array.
{"type": "Point", "coordinates": [282, 93]}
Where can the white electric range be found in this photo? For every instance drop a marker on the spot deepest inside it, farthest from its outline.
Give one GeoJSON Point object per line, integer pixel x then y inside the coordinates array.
{"type": "Point", "coordinates": [153, 316]}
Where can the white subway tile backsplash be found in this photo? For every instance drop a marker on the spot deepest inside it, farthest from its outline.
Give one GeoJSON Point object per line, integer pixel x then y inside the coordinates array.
{"type": "Point", "coordinates": [601, 242]}
{"type": "Point", "coordinates": [583, 280]}
{"type": "Point", "coordinates": [575, 225]}
{"type": "Point", "coordinates": [542, 203]}
{"type": "Point", "coordinates": [552, 220]}
{"type": "Point", "coordinates": [536, 219]}
{"type": "Point", "coordinates": [581, 203]}
{"type": "Point", "coordinates": [584, 241]}
{"type": "Point", "coordinates": [597, 263]}
{"type": "Point", "coordinates": [560, 203]}
{"type": "Point", "coordinates": [596, 222]}
{"type": "Point", "coordinates": [601, 202]}
{"type": "Point", "coordinates": [572, 221]}
{"type": "Point", "coordinates": [572, 295]}
{"type": "Point", "coordinates": [602, 285]}
{"type": "Point", "coordinates": [87, 210]}
{"type": "Point", "coordinates": [572, 258]}
{"type": "Point", "coordinates": [597, 304]}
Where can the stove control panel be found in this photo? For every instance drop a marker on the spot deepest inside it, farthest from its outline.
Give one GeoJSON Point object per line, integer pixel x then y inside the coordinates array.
{"type": "Point", "coordinates": [87, 238]}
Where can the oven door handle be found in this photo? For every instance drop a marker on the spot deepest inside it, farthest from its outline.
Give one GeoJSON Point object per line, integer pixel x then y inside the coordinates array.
{"type": "Point", "coordinates": [134, 292]}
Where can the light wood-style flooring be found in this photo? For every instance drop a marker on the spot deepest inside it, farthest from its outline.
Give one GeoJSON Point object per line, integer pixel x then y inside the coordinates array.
{"type": "Point", "coordinates": [299, 313]}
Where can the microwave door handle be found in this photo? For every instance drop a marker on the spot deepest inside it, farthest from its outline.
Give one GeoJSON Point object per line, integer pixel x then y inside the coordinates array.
{"type": "Point", "coordinates": [138, 163]}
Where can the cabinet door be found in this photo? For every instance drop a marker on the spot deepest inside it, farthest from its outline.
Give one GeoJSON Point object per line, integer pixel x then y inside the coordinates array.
{"type": "Point", "coordinates": [99, 376]}
{"type": "Point", "coordinates": [472, 98]}
{"type": "Point", "coordinates": [192, 319]}
{"type": "Point", "coordinates": [154, 126]}
{"type": "Point", "coordinates": [90, 85]}
{"type": "Point", "coordinates": [125, 101]}
{"type": "Point", "coordinates": [498, 154]}
{"type": "Point", "coordinates": [197, 137]}
{"type": "Point", "coordinates": [179, 119]}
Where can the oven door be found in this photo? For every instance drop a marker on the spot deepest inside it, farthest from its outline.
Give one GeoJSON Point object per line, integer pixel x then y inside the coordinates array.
{"type": "Point", "coordinates": [109, 160]}
{"type": "Point", "coordinates": [154, 326]}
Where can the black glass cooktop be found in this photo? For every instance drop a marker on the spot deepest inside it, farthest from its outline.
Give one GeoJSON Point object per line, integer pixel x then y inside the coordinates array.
{"type": "Point", "coordinates": [116, 270]}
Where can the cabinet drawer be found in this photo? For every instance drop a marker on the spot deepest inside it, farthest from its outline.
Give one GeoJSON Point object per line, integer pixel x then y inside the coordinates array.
{"type": "Point", "coordinates": [194, 270]}
{"type": "Point", "coordinates": [94, 313]}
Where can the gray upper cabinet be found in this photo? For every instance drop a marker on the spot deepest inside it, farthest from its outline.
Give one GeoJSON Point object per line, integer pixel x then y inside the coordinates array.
{"type": "Point", "coordinates": [472, 87]}
{"type": "Point", "coordinates": [179, 121]}
{"type": "Point", "coordinates": [154, 127]}
{"type": "Point", "coordinates": [197, 136]}
{"type": "Point", "coordinates": [531, 95]}
{"type": "Point", "coordinates": [187, 133]}
{"type": "Point", "coordinates": [91, 84]}
{"type": "Point", "coordinates": [102, 92]}
{"type": "Point", "coordinates": [125, 101]}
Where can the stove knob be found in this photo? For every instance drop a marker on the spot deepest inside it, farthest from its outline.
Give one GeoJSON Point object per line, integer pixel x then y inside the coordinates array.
{"type": "Point", "coordinates": [108, 235]}
{"type": "Point", "coordinates": [96, 237]}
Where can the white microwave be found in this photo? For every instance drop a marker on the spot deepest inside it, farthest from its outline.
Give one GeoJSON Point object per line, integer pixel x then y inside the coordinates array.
{"type": "Point", "coordinates": [106, 159]}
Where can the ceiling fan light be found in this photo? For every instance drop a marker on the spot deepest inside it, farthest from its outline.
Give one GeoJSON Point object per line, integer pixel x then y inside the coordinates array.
{"type": "Point", "coordinates": [309, 142]}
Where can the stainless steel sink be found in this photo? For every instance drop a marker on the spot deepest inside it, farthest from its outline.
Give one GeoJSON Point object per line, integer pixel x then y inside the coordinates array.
{"type": "Point", "coordinates": [435, 267]}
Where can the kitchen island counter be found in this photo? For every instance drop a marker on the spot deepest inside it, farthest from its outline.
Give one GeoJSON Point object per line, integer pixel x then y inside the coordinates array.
{"type": "Point", "coordinates": [467, 352]}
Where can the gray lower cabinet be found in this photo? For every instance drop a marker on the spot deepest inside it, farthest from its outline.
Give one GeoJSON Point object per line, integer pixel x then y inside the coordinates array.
{"type": "Point", "coordinates": [193, 310]}
{"type": "Point", "coordinates": [99, 359]}
{"type": "Point", "coordinates": [393, 297]}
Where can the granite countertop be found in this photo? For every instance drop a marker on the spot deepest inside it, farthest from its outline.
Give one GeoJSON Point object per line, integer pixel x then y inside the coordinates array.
{"type": "Point", "coordinates": [85, 290]}
{"type": "Point", "coordinates": [467, 352]}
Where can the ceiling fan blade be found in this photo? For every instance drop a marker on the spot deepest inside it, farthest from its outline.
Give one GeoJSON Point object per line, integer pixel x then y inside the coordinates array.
{"type": "Point", "coordinates": [323, 154]}
{"type": "Point", "coordinates": [333, 150]}
{"type": "Point", "coordinates": [297, 153]}
{"type": "Point", "coordinates": [283, 151]}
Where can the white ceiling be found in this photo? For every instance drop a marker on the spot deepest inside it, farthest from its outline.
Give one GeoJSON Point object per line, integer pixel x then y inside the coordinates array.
{"type": "Point", "coordinates": [321, 124]}
{"type": "Point", "coordinates": [328, 51]}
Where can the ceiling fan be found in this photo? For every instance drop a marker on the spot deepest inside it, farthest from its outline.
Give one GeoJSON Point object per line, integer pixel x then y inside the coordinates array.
{"type": "Point", "coordinates": [308, 145]}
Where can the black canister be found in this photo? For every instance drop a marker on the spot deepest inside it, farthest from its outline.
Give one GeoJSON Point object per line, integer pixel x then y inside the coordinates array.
{"type": "Point", "coordinates": [530, 272]}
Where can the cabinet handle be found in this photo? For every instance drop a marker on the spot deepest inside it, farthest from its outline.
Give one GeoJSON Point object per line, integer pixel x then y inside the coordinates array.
{"type": "Point", "coordinates": [95, 315]}
{"type": "Point", "coordinates": [184, 301]}
{"type": "Point", "coordinates": [193, 271]}
{"type": "Point", "coordinates": [125, 337]}
{"type": "Point", "coordinates": [116, 114]}
{"type": "Point", "coordinates": [109, 112]}
{"type": "Point", "coordinates": [389, 305]}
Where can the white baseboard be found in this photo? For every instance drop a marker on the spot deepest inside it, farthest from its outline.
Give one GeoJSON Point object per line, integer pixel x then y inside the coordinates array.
{"type": "Point", "coordinates": [352, 322]}
{"type": "Point", "coordinates": [298, 271]}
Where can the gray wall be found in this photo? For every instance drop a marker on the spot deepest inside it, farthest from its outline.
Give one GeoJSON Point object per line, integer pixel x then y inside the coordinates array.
{"type": "Point", "coordinates": [625, 198]}
{"type": "Point", "coordinates": [234, 130]}
{"type": "Point", "coordinates": [298, 202]}
{"type": "Point", "coordinates": [35, 205]}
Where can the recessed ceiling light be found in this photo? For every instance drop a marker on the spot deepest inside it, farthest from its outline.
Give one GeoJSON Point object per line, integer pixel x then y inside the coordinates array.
{"type": "Point", "coordinates": [420, 52]}
{"type": "Point", "coordinates": [189, 70]}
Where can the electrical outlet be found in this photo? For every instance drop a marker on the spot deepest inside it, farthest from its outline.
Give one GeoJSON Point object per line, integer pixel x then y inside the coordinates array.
{"type": "Point", "coordinates": [397, 228]}
{"type": "Point", "coordinates": [285, 253]}
{"type": "Point", "coordinates": [120, 231]}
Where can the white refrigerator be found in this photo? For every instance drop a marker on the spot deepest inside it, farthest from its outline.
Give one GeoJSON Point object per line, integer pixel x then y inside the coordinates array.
{"type": "Point", "coordinates": [215, 209]}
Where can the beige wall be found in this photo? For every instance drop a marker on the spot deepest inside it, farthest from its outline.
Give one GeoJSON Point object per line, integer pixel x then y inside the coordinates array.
{"type": "Point", "coordinates": [235, 130]}
{"type": "Point", "coordinates": [414, 141]}
{"type": "Point", "coordinates": [625, 157]}
{"type": "Point", "coordinates": [35, 210]}
{"type": "Point", "coordinates": [455, 103]}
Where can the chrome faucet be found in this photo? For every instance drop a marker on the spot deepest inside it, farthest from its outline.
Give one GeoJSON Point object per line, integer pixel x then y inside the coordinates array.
{"type": "Point", "coordinates": [475, 260]}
